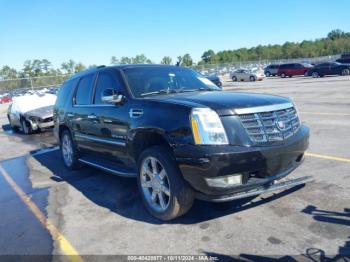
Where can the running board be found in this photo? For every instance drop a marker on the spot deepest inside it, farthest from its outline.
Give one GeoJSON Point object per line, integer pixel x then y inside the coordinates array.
{"type": "Point", "coordinates": [286, 183]}
{"type": "Point", "coordinates": [114, 170]}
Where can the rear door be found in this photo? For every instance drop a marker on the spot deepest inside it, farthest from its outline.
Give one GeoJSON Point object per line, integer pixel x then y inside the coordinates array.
{"type": "Point", "coordinates": [82, 117]}
{"type": "Point", "coordinates": [334, 69]}
{"type": "Point", "coordinates": [298, 69]}
{"type": "Point", "coordinates": [325, 69]}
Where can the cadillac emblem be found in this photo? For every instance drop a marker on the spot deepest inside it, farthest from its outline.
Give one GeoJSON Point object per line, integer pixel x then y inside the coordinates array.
{"type": "Point", "coordinates": [280, 125]}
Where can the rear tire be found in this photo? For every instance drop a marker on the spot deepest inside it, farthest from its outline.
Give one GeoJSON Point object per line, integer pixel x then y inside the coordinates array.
{"type": "Point", "coordinates": [69, 151]}
{"type": "Point", "coordinates": [234, 79]}
{"type": "Point", "coordinates": [345, 72]}
{"type": "Point", "coordinates": [268, 74]}
{"type": "Point", "coordinates": [164, 191]}
{"type": "Point", "coordinates": [283, 75]}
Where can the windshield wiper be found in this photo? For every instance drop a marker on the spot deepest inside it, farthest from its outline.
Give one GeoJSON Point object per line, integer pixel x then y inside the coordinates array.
{"type": "Point", "coordinates": [173, 91]}
{"type": "Point", "coordinates": [197, 89]}
{"type": "Point", "coordinates": [161, 91]}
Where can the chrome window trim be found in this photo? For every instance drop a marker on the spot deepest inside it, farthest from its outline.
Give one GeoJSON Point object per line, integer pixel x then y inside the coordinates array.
{"type": "Point", "coordinates": [93, 105]}
{"type": "Point", "coordinates": [260, 109]}
{"type": "Point", "coordinates": [106, 141]}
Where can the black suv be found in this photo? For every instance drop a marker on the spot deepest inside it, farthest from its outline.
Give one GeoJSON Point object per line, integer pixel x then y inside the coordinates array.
{"type": "Point", "coordinates": [178, 134]}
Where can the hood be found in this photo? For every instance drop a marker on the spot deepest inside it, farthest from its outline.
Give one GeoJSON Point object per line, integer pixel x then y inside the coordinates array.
{"type": "Point", "coordinates": [43, 112]}
{"type": "Point", "coordinates": [224, 103]}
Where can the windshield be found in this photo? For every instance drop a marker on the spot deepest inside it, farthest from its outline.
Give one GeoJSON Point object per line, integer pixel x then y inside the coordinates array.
{"type": "Point", "coordinates": [147, 81]}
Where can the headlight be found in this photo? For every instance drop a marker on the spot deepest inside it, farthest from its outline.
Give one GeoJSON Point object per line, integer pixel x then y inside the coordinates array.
{"type": "Point", "coordinates": [207, 128]}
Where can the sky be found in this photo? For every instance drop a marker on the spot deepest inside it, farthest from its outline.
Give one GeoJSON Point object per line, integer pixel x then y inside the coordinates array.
{"type": "Point", "coordinates": [91, 31]}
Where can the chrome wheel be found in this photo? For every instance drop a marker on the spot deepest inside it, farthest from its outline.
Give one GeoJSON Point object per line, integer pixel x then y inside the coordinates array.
{"type": "Point", "coordinates": [155, 184]}
{"type": "Point", "coordinates": [346, 72]}
{"type": "Point", "coordinates": [67, 150]}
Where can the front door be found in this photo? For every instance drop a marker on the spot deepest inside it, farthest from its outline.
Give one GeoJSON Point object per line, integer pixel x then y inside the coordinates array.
{"type": "Point", "coordinates": [112, 120]}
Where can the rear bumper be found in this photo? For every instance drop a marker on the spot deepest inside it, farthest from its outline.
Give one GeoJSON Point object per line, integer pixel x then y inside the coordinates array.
{"type": "Point", "coordinates": [259, 166]}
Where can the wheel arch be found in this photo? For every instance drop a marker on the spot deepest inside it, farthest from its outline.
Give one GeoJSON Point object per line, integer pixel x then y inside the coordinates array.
{"type": "Point", "coordinates": [145, 138]}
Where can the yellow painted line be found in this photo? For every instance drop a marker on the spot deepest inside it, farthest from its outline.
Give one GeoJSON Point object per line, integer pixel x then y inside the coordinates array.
{"type": "Point", "coordinates": [326, 114]}
{"type": "Point", "coordinates": [64, 244]}
{"type": "Point", "coordinates": [341, 159]}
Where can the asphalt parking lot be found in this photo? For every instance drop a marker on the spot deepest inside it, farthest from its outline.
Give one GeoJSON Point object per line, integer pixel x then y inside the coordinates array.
{"type": "Point", "coordinates": [46, 209]}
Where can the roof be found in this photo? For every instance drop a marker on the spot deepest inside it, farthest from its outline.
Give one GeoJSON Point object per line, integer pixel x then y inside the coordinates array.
{"type": "Point", "coordinates": [124, 66]}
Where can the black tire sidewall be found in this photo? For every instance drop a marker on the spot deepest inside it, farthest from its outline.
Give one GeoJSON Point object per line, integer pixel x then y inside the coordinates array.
{"type": "Point", "coordinates": [181, 195]}
{"type": "Point", "coordinates": [234, 79]}
{"type": "Point", "coordinates": [25, 123]}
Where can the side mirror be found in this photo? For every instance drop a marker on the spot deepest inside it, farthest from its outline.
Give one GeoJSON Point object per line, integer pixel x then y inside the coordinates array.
{"type": "Point", "coordinates": [111, 96]}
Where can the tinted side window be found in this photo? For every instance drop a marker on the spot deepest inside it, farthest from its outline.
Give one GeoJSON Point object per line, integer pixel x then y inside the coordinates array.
{"type": "Point", "coordinates": [284, 66]}
{"type": "Point", "coordinates": [106, 82]}
{"type": "Point", "coordinates": [65, 92]}
{"type": "Point", "coordinates": [84, 90]}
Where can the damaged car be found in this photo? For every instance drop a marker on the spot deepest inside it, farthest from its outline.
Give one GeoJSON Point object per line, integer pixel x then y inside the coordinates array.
{"type": "Point", "coordinates": [31, 112]}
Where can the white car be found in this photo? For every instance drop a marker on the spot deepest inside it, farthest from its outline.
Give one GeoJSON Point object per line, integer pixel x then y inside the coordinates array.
{"type": "Point", "coordinates": [247, 75]}
{"type": "Point", "coordinates": [31, 112]}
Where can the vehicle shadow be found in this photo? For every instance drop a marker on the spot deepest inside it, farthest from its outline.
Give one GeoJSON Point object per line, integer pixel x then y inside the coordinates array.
{"type": "Point", "coordinates": [311, 254]}
{"type": "Point", "coordinates": [44, 137]}
{"type": "Point", "coordinates": [121, 195]}
{"type": "Point", "coordinates": [339, 218]}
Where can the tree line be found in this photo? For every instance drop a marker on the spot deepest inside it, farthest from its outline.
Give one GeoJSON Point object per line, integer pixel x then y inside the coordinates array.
{"type": "Point", "coordinates": [336, 42]}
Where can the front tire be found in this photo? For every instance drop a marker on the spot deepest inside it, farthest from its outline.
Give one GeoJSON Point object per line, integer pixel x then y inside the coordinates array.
{"type": "Point", "coordinates": [26, 127]}
{"type": "Point", "coordinates": [234, 79]}
{"type": "Point", "coordinates": [252, 78]}
{"type": "Point", "coordinates": [69, 151]}
{"type": "Point", "coordinates": [283, 75]}
{"type": "Point", "coordinates": [268, 74]}
{"type": "Point", "coordinates": [315, 75]}
{"type": "Point", "coordinates": [164, 192]}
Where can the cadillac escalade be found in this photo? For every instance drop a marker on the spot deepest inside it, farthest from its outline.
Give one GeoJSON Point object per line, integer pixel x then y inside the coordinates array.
{"type": "Point", "coordinates": [179, 135]}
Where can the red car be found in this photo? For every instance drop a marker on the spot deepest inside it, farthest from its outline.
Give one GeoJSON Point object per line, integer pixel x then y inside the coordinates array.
{"type": "Point", "coordinates": [293, 69]}
{"type": "Point", "coordinates": [5, 99]}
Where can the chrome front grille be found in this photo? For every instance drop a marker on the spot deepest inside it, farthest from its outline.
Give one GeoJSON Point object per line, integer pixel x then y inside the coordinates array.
{"type": "Point", "coordinates": [271, 126]}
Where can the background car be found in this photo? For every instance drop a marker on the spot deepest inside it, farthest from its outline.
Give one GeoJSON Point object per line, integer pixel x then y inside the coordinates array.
{"type": "Point", "coordinates": [215, 79]}
{"type": "Point", "coordinates": [293, 69]}
{"type": "Point", "coordinates": [5, 98]}
{"type": "Point", "coordinates": [31, 112]}
{"type": "Point", "coordinates": [343, 60]}
{"type": "Point", "coordinates": [271, 70]}
{"type": "Point", "coordinates": [332, 68]}
{"type": "Point", "coordinates": [247, 75]}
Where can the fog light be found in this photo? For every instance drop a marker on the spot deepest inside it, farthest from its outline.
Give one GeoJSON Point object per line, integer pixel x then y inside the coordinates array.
{"type": "Point", "coordinates": [224, 181]}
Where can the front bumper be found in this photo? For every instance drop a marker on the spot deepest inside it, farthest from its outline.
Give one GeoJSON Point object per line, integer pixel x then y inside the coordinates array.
{"type": "Point", "coordinates": [41, 125]}
{"type": "Point", "coordinates": [260, 166]}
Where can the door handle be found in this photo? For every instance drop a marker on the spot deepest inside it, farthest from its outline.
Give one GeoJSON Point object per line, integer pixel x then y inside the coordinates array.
{"type": "Point", "coordinates": [92, 116]}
